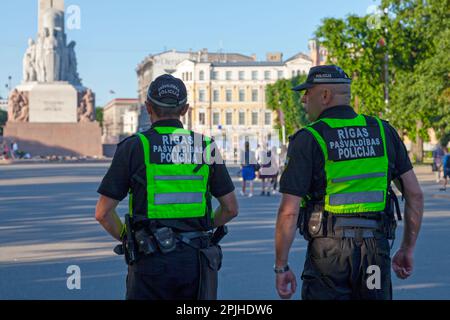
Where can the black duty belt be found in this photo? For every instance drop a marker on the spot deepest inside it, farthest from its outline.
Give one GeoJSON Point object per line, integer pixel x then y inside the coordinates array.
{"type": "Point", "coordinates": [186, 237]}
{"type": "Point", "coordinates": [352, 227]}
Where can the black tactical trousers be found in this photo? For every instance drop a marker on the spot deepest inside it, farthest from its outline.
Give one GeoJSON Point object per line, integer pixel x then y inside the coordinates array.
{"type": "Point", "coordinates": [174, 276]}
{"type": "Point", "coordinates": [337, 269]}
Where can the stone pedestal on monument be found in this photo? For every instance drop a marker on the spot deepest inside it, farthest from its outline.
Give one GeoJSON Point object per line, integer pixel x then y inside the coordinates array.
{"type": "Point", "coordinates": [60, 139]}
{"type": "Point", "coordinates": [55, 125]}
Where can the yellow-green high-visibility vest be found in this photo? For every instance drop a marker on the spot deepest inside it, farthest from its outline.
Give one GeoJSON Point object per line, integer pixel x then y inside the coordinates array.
{"type": "Point", "coordinates": [179, 190]}
{"type": "Point", "coordinates": [356, 163]}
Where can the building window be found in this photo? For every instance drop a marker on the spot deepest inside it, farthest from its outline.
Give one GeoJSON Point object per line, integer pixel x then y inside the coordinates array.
{"type": "Point", "coordinates": [201, 96]}
{"type": "Point", "coordinates": [280, 74]}
{"type": "Point", "coordinates": [201, 119]}
{"type": "Point", "coordinates": [229, 94]}
{"type": "Point", "coordinates": [293, 73]}
{"type": "Point", "coordinates": [228, 75]}
{"type": "Point", "coordinates": [268, 118]}
{"type": "Point", "coordinates": [254, 75]}
{"type": "Point", "coordinates": [216, 118]}
{"type": "Point", "coordinates": [229, 118]}
{"type": "Point", "coordinates": [241, 118]}
{"type": "Point", "coordinates": [267, 75]}
{"type": "Point", "coordinates": [241, 95]}
{"type": "Point", "coordinates": [216, 95]}
{"type": "Point", "coordinates": [255, 95]}
{"type": "Point", "coordinates": [241, 75]}
{"type": "Point", "coordinates": [201, 76]}
{"type": "Point", "coordinates": [254, 118]}
{"type": "Point", "coordinates": [215, 75]}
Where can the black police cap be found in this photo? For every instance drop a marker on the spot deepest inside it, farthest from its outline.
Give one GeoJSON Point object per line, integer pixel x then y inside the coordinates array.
{"type": "Point", "coordinates": [329, 74]}
{"type": "Point", "coordinates": [167, 92]}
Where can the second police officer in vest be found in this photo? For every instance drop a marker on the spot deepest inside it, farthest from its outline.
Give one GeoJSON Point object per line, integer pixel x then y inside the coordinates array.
{"type": "Point", "coordinates": [339, 170]}
{"type": "Point", "coordinates": [170, 174]}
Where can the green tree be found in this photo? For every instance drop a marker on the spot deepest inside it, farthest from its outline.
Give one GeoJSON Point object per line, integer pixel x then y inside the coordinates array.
{"type": "Point", "coordinates": [285, 102]}
{"type": "Point", "coordinates": [414, 34]}
{"type": "Point", "coordinates": [99, 115]}
{"type": "Point", "coordinates": [3, 119]}
{"type": "Point", "coordinates": [356, 48]}
{"type": "Point", "coordinates": [422, 65]}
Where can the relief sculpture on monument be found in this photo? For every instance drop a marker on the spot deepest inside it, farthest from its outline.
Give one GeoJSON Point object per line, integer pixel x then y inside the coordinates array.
{"type": "Point", "coordinates": [18, 106]}
{"type": "Point", "coordinates": [86, 109]}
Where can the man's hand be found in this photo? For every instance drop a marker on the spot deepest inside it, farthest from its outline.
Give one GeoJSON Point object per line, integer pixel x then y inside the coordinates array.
{"type": "Point", "coordinates": [402, 263]}
{"type": "Point", "coordinates": [284, 236]}
{"type": "Point", "coordinates": [286, 284]}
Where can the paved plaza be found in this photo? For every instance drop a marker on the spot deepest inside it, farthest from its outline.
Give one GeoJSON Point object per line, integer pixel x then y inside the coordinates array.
{"type": "Point", "coordinates": [47, 224]}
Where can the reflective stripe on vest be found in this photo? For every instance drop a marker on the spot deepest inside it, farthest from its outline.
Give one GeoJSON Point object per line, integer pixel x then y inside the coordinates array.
{"type": "Point", "coordinates": [175, 191]}
{"type": "Point", "coordinates": [357, 183]}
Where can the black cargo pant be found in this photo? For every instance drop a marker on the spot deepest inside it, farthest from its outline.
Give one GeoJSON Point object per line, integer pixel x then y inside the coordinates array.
{"type": "Point", "coordinates": [337, 269]}
{"type": "Point", "coordinates": [173, 276]}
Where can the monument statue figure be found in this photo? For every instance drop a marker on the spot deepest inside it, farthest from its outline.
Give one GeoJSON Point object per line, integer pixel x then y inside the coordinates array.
{"type": "Point", "coordinates": [40, 63]}
{"type": "Point", "coordinates": [71, 62]}
{"type": "Point", "coordinates": [29, 62]}
{"type": "Point", "coordinates": [53, 23]}
{"type": "Point", "coordinates": [51, 57]}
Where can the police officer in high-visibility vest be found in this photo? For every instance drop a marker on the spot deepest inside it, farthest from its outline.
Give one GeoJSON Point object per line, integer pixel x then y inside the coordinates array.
{"type": "Point", "coordinates": [338, 172]}
{"type": "Point", "coordinates": [170, 175]}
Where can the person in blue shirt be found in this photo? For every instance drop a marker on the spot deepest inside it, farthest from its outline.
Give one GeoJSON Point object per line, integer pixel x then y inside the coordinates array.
{"type": "Point", "coordinates": [446, 169]}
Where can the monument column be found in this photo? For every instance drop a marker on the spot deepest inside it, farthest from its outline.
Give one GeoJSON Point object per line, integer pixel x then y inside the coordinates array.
{"type": "Point", "coordinates": [44, 5]}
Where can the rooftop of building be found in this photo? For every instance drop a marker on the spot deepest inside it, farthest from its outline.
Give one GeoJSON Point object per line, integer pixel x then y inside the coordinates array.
{"type": "Point", "coordinates": [121, 101]}
{"type": "Point", "coordinates": [203, 56]}
{"type": "Point", "coordinates": [249, 64]}
{"type": "Point", "coordinates": [297, 56]}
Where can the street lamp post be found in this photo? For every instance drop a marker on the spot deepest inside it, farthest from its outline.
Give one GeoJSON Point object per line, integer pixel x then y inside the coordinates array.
{"type": "Point", "coordinates": [282, 123]}
{"type": "Point", "coordinates": [210, 100]}
{"type": "Point", "coordinates": [386, 59]}
{"type": "Point", "coordinates": [8, 87]}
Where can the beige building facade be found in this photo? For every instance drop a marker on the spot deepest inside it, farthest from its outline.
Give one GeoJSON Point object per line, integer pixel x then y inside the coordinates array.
{"type": "Point", "coordinates": [4, 105]}
{"type": "Point", "coordinates": [227, 94]}
{"type": "Point", "coordinates": [120, 118]}
{"type": "Point", "coordinates": [228, 100]}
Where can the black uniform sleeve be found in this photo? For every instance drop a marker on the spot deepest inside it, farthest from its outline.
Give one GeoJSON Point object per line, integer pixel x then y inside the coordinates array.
{"type": "Point", "coordinates": [299, 168]}
{"type": "Point", "coordinates": [116, 182]}
{"type": "Point", "coordinates": [401, 161]}
{"type": "Point", "coordinates": [220, 182]}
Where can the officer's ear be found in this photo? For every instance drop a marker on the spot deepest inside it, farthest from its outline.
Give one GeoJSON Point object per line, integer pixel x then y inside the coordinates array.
{"type": "Point", "coordinates": [149, 108]}
{"type": "Point", "coordinates": [327, 96]}
{"type": "Point", "coordinates": [184, 110]}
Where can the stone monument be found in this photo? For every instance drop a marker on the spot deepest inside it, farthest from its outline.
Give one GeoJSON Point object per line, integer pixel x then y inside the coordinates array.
{"type": "Point", "coordinates": [51, 112]}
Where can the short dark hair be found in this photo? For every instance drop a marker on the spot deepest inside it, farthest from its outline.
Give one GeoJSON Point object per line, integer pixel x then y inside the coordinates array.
{"type": "Point", "coordinates": [162, 112]}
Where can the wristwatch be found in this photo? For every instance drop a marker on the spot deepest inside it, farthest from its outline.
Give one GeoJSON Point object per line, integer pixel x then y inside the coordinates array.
{"type": "Point", "coordinates": [281, 270]}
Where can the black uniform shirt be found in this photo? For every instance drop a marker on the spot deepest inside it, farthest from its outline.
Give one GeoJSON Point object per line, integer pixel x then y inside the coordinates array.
{"type": "Point", "coordinates": [128, 161]}
{"type": "Point", "coordinates": [304, 172]}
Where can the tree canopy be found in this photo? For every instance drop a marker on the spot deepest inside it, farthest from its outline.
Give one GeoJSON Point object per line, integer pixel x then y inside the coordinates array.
{"type": "Point", "coordinates": [286, 103]}
{"type": "Point", "coordinates": [411, 38]}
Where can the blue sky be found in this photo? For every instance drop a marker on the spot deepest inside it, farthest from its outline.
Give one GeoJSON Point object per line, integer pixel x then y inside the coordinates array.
{"type": "Point", "coordinates": [116, 35]}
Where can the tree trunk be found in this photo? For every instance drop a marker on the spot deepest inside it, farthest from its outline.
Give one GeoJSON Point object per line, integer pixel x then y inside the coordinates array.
{"type": "Point", "coordinates": [356, 104]}
{"type": "Point", "coordinates": [417, 147]}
